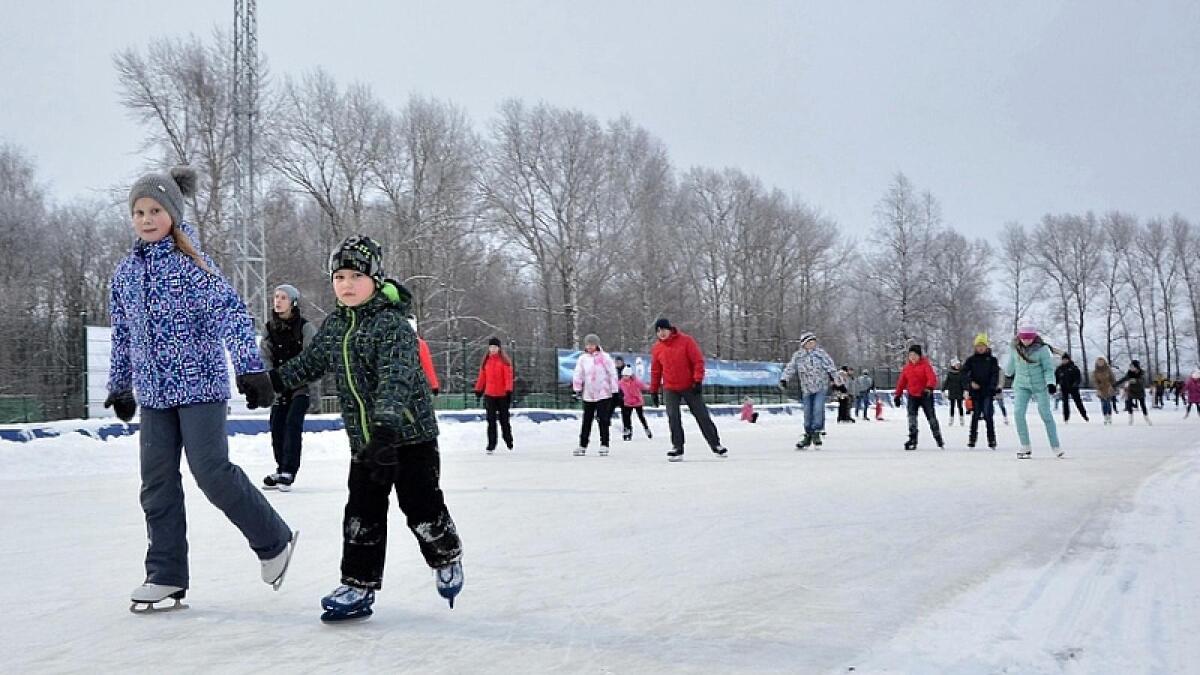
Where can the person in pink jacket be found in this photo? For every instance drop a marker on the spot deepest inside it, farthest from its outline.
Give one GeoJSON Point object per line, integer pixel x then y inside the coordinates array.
{"type": "Point", "coordinates": [1192, 388]}
{"type": "Point", "coordinates": [631, 393]}
{"type": "Point", "coordinates": [595, 382]}
{"type": "Point", "coordinates": [748, 414]}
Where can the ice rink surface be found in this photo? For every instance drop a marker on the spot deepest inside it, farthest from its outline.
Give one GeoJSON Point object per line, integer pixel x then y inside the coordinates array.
{"type": "Point", "coordinates": [859, 557]}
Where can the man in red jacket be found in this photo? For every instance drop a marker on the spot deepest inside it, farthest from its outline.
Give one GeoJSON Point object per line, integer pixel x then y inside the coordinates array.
{"type": "Point", "coordinates": [677, 367]}
{"type": "Point", "coordinates": [919, 380]}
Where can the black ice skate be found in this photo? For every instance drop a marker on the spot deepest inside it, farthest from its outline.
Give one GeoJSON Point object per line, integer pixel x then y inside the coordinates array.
{"type": "Point", "coordinates": [720, 450]}
{"type": "Point", "coordinates": [804, 442]}
{"type": "Point", "coordinates": [627, 434]}
{"type": "Point", "coordinates": [910, 444]}
{"type": "Point", "coordinates": [675, 455]}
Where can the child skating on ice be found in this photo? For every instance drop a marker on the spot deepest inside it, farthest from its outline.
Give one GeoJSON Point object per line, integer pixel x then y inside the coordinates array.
{"type": "Point", "coordinates": [632, 401]}
{"type": "Point", "coordinates": [173, 316]}
{"type": "Point", "coordinates": [369, 346]}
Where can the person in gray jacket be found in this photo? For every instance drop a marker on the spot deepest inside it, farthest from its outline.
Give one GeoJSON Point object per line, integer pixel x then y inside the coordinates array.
{"type": "Point", "coordinates": [813, 367]}
{"type": "Point", "coordinates": [288, 334]}
{"type": "Point", "coordinates": [862, 388]}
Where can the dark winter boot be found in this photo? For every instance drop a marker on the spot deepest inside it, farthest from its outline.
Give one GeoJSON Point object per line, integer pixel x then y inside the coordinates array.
{"type": "Point", "coordinates": [804, 442]}
{"type": "Point", "coordinates": [817, 439]}
{"type": "Point", "coordinates": [627, 433]}
{"type": "Point", "coordinates": [911, 443]}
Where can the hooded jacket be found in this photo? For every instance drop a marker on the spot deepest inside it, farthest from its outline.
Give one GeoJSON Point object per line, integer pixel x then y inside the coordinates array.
{"type": "Point", "coordinates": [1068, 376]}
{"type": "Point", "coordinates": [952, 384]}
{"type": "Point", "coordinates": [1104, 380]}
{"type": "Point", "coordinates": [676, 363]}
{"type": "Point", "coordinates": [915, 378]}
{"type": "Point", "coordinates": [495, 376]}
{"type": "Point", "coordinates": [171, 323]}
{"type": "Point", "coordinates": [595, 377]}
{"type": "Point", "coordinates": [815, 370]}
{"type": "Point", "coordinates": [1030, 367]}
{"type": "Point", "coordinates": [372, 351]}
{"type": "Point", "coordinates": [984, 370]}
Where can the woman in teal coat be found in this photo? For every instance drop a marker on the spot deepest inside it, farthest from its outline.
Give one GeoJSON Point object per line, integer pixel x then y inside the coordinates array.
{"type": "Point", "coordinates": [1031, 366]}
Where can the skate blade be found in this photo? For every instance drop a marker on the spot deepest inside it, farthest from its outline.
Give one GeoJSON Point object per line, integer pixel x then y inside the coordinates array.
{"type": "Point", "coordinates": [291, 552]}
{"type": "Point", "coordinates": [675, 459]}
{"type": "Point", "coordinates": [151, 608]}
{"type": "Point", "coordinates": [331, 617]}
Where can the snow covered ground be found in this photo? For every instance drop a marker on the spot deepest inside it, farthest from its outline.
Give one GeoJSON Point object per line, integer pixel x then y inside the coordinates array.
{"type": "Point", "coordinates": [855, 558]}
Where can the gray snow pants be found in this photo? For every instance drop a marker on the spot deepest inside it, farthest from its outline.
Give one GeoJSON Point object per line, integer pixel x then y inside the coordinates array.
{"type": "Point", "coordinates": [199, 430]}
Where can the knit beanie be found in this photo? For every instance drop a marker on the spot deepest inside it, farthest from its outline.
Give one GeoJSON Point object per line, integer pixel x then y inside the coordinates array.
{"type": "Point", "coordinates": [168, 189]}
{"type": "Point", "coordinates": [360, 254]}
{"type": "Point", "coordinates": [591, 339]}
{"type": "Point", "coordinates": [915, 349]}
{"type": "Point", "coordinates": [494, 341]}
{"type": "Point", "coordinates": [807, 336]}
{"type": "Point", "coordinates": [662, 324]}
{"type": "Point", "coordinates": [1027, 331]}
{"type": "Point", "coordinates": [981, 339]}
{"type": "Point", "coordinates": [291, 292]}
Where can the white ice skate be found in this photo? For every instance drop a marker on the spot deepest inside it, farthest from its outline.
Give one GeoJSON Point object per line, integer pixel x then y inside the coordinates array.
{"type": "Point", "coordinates": [579, 452]}
{"type": "Point", "coordinates": [144, 598]}
{"type": "Point", "coordinates": [603, 451]}
{"type": "Point", "coordinates": [1025, 452]}
{"type": "Point", "coordinates": [1058, 452]}
{"type": "Point", "coordinates": [273, 570]}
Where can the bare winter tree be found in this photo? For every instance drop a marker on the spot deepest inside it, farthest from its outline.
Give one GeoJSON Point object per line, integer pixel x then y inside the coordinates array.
{"type": "Point", "coordinates": [425, 169]}
{"type": "Point", "coordinates": [323, 141]}
{"type": "Point", "coordinates": [180, 91]}
{"type": "Point", "coordinates": [1020, 272]}
{"type": "Point", "coordinates": [902, 264]}
{"type": "Point", "coordinates": [1185, 249]}
{"type": "Point", "coordinates": [542, 184]}
{"type": "Point", "coordinates": [1067, 253]}
{"type": "Point", "coordinates": [963, 305]}
{"type": "Point", "coordinates": [1117, 230]}
{"type": "Point", "coordinates": [1155, 246]}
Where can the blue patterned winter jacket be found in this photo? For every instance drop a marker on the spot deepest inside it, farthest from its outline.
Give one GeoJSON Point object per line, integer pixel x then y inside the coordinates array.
{"type": "Point", "coordinates": [170, 321]}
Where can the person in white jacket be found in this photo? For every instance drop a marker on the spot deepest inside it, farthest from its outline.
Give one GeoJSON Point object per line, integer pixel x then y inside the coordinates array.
{"type": "Point", "coordinates": [595, 382]}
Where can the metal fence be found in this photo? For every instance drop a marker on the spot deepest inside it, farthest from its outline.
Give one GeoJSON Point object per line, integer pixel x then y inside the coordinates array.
{"type": "Point", "coordinates": [38, 394]}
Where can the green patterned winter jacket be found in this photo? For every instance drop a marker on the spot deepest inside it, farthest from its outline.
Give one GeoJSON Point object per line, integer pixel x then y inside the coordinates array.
{"type": "Point", "coordinates": [372, 351]}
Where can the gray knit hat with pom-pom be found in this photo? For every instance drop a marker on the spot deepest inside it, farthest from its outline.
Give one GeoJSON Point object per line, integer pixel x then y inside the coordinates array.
{"type": "Point", "coordinates": [168, 189]}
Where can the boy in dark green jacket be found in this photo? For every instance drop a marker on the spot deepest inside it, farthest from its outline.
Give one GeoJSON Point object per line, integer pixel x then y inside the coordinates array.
{"type": "Point", "coordinates": [370, 347]}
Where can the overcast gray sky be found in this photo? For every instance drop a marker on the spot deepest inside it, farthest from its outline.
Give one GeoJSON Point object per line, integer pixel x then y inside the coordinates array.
{"type": "Point", "coordinates": [1005, 110]}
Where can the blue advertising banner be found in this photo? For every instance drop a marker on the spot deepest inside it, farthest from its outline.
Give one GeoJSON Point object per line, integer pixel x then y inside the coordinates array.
{"type": "Point", "coordinates": [716, 371]}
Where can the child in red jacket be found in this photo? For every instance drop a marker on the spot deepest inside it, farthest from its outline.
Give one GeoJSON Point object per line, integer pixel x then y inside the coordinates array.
{"type": "Point", "coordinates": [919, 380]}
{"type": "Point", "coordinates": [495, 386]}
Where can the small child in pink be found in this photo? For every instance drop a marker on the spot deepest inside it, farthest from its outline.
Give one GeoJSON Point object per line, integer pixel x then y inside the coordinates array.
{"type": "Point", "coordinates": [748, 414]}
{"type": "Point", "coordinates": [631, 393]}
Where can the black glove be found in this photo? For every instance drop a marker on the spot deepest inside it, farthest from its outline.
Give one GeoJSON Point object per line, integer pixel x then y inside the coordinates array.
{"type": "Point", "coordinates": [1051, 388]}
{"type": "Point", "coordinates": [783, 385]}
{"type": "Point", "coordinates": [122, 403]}
{"type": "Point", "coordinates": [381, 455]}
{"type": "Point", "coordinates": [895, 401]}
{"type": "Point", "coordinates": [257, 389]}
{"type": "Point", "coordinates": [654, 400]}
{"type": "Point", "coordinates": [928, 391]}
{"type": "Point", "coordinates": [478, 395]}
{"type": "Point", "coordinates": [698, 389]}
{"type": "Point", "coordinates": [508, 395]}
{"type": "Point", "coordinates": [434, 391]}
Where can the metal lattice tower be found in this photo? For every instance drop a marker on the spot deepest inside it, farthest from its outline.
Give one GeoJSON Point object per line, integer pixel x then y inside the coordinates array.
{"type": "Point", "coordinates": [250, 272]}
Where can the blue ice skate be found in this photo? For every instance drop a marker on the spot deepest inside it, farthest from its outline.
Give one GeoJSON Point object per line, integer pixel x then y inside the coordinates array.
{"type": "Point", "coordinates": [449, 580]}
{"type": "Point", "coordinates": [346, 603]}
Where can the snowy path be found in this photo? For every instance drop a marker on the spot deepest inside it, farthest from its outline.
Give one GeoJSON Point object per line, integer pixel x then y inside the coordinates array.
{"type": "Point", "coordinates": [772, 560]}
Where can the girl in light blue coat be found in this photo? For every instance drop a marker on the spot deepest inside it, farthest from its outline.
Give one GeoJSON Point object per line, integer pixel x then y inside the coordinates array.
{"type": "Point", "coordinates": [1031, 366]}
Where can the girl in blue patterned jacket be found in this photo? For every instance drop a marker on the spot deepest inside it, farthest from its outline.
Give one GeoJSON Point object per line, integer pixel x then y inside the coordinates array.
{"type": "Point", "coordinates": [173, 315]}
